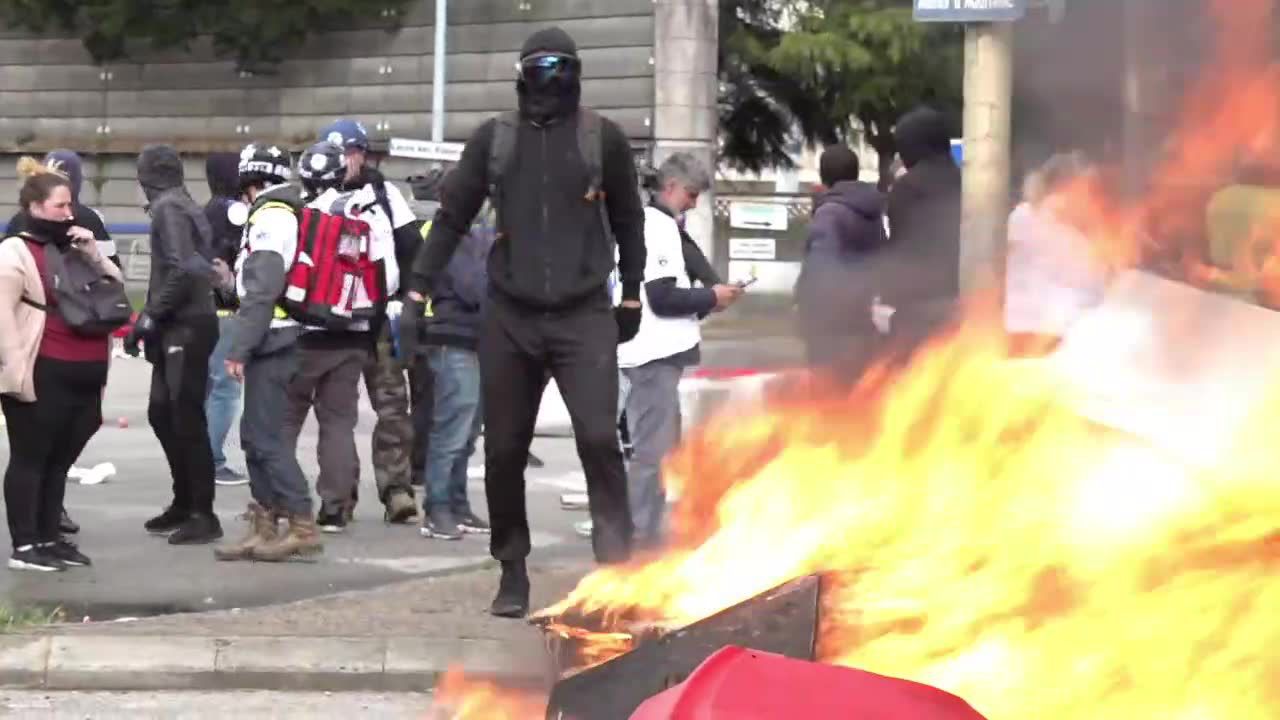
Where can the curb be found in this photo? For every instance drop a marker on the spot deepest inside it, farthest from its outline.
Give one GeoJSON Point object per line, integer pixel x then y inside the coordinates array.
{"type": "Point", "coordinates": [160, 662]}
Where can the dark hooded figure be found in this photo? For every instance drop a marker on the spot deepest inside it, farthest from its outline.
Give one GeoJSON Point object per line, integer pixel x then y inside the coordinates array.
{"type": "Point", "coordinates": [180, 329]}
{"type": "Point", "coordinates": [548, 309]}
{"type": "Point", "coordinates": [834, 292]}
{"type": "Point", "coordinates": [69, 164]}
{"type": "Point", "coordinates": [919, 272]}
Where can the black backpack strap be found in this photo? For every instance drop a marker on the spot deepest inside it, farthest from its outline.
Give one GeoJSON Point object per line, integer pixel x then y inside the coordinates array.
{"type": "Point", "coordinates": [28, 301]}
{"type": "Point", "coordinates": [380, 194]}
{"type": "Point", "coordinates": [591, 145]}
{"type": "Point", "coordinates": [502, 149]}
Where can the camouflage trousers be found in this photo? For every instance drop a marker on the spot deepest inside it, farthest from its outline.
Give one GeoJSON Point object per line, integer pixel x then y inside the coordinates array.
{"type": "Point", "coordinates": [391, 384]}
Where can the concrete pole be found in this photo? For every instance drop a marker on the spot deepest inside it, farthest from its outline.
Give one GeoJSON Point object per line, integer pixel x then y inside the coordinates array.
{"type": "Point", "coordinates": [438, 76]}
{"type": "Point", "coordinates": [988, 99]}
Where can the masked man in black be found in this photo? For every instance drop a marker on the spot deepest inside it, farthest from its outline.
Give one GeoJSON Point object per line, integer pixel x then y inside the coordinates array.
{"type": "Point", "coordinates": [563, 183]}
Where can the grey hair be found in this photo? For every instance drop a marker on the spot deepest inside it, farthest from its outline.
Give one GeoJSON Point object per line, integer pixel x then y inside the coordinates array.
{"type": "Point", "coordinates": [686, 170]}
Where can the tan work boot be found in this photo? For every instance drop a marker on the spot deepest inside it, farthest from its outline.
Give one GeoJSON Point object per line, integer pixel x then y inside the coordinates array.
{"type": "Point", "coordinates": [300, 541]}
{"type": "Point", "coordinates": [401, 509]}
{"type": "Point", "coordinates": [262, 530]}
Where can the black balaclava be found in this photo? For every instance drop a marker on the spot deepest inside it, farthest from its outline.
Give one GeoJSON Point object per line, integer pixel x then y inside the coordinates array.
{"type": "Point", "coordinates": [546, 105]}
{"type": "Point", "coordinates": [222, 170]}
{"type": "Point", "coordinates": [159, 169]}
{"type": "Point", "coordinates": [838, 164]}
{"type": "Point", "coordinates": [922, 133]}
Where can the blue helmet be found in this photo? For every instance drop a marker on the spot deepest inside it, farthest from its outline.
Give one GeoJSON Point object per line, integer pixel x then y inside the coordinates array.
{"type": "Point", "coordinates": [346, 134]}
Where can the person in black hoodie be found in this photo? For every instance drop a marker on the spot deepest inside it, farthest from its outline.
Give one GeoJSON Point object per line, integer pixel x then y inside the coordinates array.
{"type": "Point", "coordinates": [221, 170]}
{"type": "Point", "coordinates": [180, 327]}
{"type": "Point", "coordinates": [834, 291]}
{"type": "Point", "coordinates": [548, 305]}
{"type": "Point", "coordinates": [919, 271]}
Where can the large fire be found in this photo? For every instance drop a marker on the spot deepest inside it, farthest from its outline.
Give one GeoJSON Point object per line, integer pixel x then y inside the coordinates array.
{"type": "Point", "coordinates": [977, 534]}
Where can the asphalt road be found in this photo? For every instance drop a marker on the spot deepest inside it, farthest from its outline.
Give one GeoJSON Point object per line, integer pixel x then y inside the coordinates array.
{"type": "Point", "coordinates": [135, 574]}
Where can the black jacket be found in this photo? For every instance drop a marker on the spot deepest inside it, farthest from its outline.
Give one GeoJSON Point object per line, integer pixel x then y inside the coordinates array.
{"type": "Point", "coordinates": [458, 300]}
{"type": "Point", "coordinates": [552, 251]}
{"type": "Point", "coordinates": [221, 170]}
{"type": "Point", "coordinates": [919, 272]}
{"type": "Point", "coordinates": [179, 231]}
{"type": "Point", "coordinates": [836, 288]}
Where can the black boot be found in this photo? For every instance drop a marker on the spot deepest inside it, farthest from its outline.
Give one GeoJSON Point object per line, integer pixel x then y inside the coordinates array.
{"type": "Point", "coordinates": [67, 525]}
{"type": "Point", "coordinates": [199, 529]}
{"type": "Point", "coordinates": [513, 591]}
{"type": "Point", "coordinates": [166, 522]}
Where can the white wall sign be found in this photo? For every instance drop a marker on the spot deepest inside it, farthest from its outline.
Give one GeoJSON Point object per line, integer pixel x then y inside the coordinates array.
{"type": "Point", "coordinates": [753, 249]}
{"type": "Point", "coordinates": [772, 277]}
{"type": "Point", "coordinates": [758, 216]}
{"type": "Point", "coordinates": [425, 150]}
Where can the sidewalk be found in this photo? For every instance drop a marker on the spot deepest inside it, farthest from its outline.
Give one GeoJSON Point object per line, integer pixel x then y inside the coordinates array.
{"type": "Point", "coordinates": [398, 637]}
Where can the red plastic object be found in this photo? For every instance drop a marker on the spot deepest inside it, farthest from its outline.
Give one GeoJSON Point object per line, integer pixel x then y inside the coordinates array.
{"type": "Point", "coordinates": [740, 684]}
{"type": "Point", "coordinates": [123, 330]}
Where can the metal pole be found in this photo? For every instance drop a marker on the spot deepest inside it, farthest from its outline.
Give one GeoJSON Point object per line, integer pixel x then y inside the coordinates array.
{"type": "Point", "coordinates": [988, 93]}
{"type": "Point", "coordinates": [437, 79]}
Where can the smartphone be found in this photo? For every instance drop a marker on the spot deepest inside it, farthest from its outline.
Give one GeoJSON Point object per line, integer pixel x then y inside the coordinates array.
{"type": "Point", "coordinates": [744, 284]}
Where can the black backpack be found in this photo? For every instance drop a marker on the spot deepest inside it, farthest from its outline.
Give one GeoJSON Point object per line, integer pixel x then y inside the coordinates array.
{"type": "Point", "coordinates": [590, 143]}
{"type": "Point", "coordinates": [91, 303]}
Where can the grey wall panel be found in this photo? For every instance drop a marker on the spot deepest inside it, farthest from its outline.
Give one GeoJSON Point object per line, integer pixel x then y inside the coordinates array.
{"type": "Point", "coordinates": [190, 97]}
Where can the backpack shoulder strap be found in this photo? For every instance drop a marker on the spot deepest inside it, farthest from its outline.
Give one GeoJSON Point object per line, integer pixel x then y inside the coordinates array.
{"type": "Point", "coordinates": [380, 195]}
{"type": "Point", "coordinates": [591, 145]}
{"type": "Point", "coordinates": [502, 149]}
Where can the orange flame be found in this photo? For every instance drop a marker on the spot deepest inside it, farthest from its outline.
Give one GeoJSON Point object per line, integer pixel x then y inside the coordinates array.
{"type": "Point", "coordinates": [459, 697]}
{"type": "Point", "coordinates": [979, 536]}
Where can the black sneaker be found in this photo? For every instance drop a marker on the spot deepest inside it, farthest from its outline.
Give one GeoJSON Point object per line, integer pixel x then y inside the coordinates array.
{"type": "Point", "coordinates": [470, 524]}
{"type": "Point", "coordinates": [441, 525]}
{"type": "Point", "coordinates": [332, 522]}
{"type": "Point", "coordinates": [199, 529]}
{"type": "Point", "coordinates": [228, 477]}
{"type": "Point", "coordinates": [30, 557]}
{"type": "Point", "coordinates": [66, 525]}
{"type": "Point", "coordinates": [512, 600]}
{"type": "Point", "coordinates": [67, 552]}
{"type": "Point", "coordinates": [166, 522]}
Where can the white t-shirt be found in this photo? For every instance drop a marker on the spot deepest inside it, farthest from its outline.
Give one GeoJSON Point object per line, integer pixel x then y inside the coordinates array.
{"type": "Point", "coordinates": [271, 230]}
{"type": "Point", "coordinates": [401, 213]}
{"type": "Point", "coordinates": [660, 337]}
{"type": "Point", "coordinates": [1051, 276]}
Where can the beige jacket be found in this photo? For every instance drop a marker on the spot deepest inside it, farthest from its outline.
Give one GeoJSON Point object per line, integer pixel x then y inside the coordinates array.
{"type": "Point", "coordinates": [22, 326]}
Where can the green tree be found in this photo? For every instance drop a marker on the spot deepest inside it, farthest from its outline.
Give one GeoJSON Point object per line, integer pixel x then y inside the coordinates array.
{"type": "Point", "coordinates": [833, 66]}
{"type": "Point", "coordinates": [256, 34]}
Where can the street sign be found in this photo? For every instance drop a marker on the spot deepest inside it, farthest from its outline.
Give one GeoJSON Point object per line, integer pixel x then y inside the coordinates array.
{"type": "Point", "coordinates": [970, 10]}
{"type": "Point", "coordinates": [426, 150]}
{"type": "Point", "coordinates": [753, 249]}
{"type": "Point", "coordinates": [758, 216]}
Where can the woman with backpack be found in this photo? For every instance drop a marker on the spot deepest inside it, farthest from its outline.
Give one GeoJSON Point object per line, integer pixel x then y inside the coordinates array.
{"type": "Point", "coordinates": [51, 377]}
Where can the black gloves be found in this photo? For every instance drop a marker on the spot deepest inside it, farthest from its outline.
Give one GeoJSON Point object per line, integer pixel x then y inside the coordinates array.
{"type": "Point", "coordinates": [628, 319]}
{"type": "Point", "coordinates": [410, 328]}
{"type": "Point", "coordinates": [142, 328]}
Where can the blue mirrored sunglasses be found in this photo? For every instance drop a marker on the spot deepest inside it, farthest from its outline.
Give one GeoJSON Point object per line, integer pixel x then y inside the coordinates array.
{"type": "Point", "coordinates": [543, 68]}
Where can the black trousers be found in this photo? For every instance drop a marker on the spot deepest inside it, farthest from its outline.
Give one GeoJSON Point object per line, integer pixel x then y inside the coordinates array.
{"type": "Point", "coordinates": [179, 380]}
{"type": "Point", "coordinates": [45, 438]}
{"type": "Point", "coordinates": [579, 347]}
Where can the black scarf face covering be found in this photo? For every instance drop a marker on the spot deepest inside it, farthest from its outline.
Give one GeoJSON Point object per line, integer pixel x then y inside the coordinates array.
{"type": "Point", "coordinates": [50, 231]}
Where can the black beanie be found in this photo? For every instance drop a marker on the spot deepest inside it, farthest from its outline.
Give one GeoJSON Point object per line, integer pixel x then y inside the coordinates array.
{"type": "Point", "coordinates": [549, 40]}
{"type": "Point", "coordinates": [837, 164]}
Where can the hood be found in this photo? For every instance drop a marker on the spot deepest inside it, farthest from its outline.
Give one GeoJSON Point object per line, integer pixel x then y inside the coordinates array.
{"type": "Point", "coordinates": [159, 169]}
{"type": "Point", "coordinates": [920, 134]}
{"type": "Point", "coordinates": [68, 163]}
{"type": "Point", "coordinates": [222, 170]}
{"type": "Point", "coordinates": [547, 107]}
{"type": "Point", "coordinates": [860, 197]}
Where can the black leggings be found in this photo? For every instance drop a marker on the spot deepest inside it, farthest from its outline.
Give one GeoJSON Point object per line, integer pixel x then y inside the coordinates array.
{"type": "Point", "coordinates": [45, 438]}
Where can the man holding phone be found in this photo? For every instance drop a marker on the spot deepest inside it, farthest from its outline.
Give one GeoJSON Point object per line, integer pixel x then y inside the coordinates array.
{"type": "Point", "coordinates": [668, 340]}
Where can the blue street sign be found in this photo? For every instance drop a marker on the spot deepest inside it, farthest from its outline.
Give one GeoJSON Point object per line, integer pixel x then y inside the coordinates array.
{"type": "Point", "coordinates": [970, 10]}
